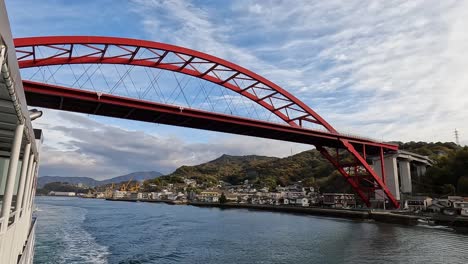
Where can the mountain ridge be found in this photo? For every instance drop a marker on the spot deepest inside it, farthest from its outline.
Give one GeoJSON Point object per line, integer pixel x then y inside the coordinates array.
{"type": "Point", "coordinates": [309, 167]}
{"type": "Point", "coordinates": [88, 181]}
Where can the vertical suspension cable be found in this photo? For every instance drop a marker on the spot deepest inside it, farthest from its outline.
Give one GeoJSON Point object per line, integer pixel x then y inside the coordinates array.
{"type": "Point", "coordinates": [182, 89]}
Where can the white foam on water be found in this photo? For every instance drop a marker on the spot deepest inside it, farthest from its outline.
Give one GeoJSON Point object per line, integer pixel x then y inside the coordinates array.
{"type": "Point", "coordinates": [440, 227]}
{"type": "Point", "coordinates": [77, 245]}
{"type": "Point", "coordinates": [81, 243]}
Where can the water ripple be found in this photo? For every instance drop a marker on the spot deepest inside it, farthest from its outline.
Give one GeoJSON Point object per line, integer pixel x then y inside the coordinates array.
{"type": "Point", "coordinates": [95, 231]}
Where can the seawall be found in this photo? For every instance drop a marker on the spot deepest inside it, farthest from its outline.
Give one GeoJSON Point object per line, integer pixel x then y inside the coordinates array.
{"type": "Point", "coordinates": [355, 214]}
{"type": "Point", "coordinates": [386, 217]}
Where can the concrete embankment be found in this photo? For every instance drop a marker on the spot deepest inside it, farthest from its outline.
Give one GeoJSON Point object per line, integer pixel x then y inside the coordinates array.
{"type": "Point", "coordinates": [163, 201]}
{"type": "Point", "coordinates": [458, 223]}
{"type": "Point", "coordinates": [376, 215]}
{"type": "Point", "coordinates": [122, 200]}
{"type": "Point", "coordinates": [392, 218]}
{"type": "Point", "coordinates": [386, 217]}
{"type": "Point", "coordinates": [144, 200]}
{"type": "Point", "coordinates": [356, 214]}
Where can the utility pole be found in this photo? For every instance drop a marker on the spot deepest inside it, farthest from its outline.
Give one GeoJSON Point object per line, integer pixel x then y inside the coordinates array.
{"type": "Point", "coordinates": [457, 140]}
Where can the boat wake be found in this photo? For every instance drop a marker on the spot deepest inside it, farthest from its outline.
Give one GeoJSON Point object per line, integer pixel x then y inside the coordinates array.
{"type": "Point", "coordinates": [439, 227]}
{"type": "Point", "coordinates": [68, 242]}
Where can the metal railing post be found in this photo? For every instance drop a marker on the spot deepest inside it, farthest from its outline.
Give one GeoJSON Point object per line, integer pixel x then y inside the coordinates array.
{"type": "Point", "coordinates": [31, 186]}
{"type": "Point", "coordinates": [24, 175]}
{"type": "Point", "coordinates": [10, 183]}
{"type": "Point", "coordinates": [28, 180]}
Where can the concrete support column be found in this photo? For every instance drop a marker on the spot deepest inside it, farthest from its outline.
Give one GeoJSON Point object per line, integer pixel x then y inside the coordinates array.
{"type": "Point", "coordinates": [22, 182]}
{"type": "Point", "coordinates": [405, 176]}
{"type": "Point", "coordinates": [420, 170]}
{"type": "Point", "coordinates": [376, 166]}
{"type": "Point", "coordinates": [391, 176]}
{"type": "Point", "coordinates": [28, 182]}
{"type": "Point", "coordinates": [12, 169]}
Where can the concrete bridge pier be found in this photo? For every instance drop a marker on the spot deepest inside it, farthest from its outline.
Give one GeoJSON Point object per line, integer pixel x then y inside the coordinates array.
{"type": "Point", "coordinates": [405, 176]}
{"type": "Point", "coordinates": [400, 168]}
{"type": "Point", "coordinates": [391, 176]}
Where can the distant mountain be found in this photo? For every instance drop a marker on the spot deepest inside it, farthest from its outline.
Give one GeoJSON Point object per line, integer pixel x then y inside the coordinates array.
{"type": "Point", "coordinates": [138, 176]}
{"type": "Point", "coordinates": [135, 176]}
{"type": "Point", "coordinates": [41, 181]}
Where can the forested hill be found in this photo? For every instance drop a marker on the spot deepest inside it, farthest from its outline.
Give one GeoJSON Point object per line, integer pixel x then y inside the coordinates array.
{"type": "Point", "coordinates": [449, 175]}
{"type": "Point", "coordinates": [309, 167]}
{"type": "Point", "coordinates": [432, 150]}
{"type": "Point", "coordinates": [312, 169]}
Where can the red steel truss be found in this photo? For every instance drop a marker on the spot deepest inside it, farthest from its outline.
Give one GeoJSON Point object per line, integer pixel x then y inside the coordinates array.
{"type": "Point", "coordinates": [296, 115]}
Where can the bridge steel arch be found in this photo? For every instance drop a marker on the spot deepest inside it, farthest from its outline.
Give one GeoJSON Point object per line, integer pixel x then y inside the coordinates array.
{"type": "Point", "coordinates": [296, 114]}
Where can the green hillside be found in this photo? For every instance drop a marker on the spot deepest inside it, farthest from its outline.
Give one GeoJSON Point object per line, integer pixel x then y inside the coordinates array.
{"type": "Point", "coordinates": [432, 150]}
{"type": "Point", "coordinates": [450, 173]}
{"type": "Point", "coordinates": [309, 167]}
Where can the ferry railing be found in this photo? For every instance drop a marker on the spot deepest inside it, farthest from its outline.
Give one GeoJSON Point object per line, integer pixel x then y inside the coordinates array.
{"type": "Point", "coordinates": [11, 218]}
{"type": "Point", "coordinates": [28, 250]}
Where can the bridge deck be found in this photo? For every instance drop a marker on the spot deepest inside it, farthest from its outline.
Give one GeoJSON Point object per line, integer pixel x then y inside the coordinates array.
{"type": "Point", "coordinates": [68, 99]}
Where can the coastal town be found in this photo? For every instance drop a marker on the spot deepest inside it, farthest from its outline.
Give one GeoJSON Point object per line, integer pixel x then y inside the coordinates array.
{"type": "Point", "coordinates": [189, 191]}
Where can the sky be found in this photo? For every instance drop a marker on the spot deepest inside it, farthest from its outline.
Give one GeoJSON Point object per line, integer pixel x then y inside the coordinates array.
{"type": "Point", "coordinates": [390, 70]}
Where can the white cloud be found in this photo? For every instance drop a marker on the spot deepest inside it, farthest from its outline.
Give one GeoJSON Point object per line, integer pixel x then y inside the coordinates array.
{"type": "Point", "coordinates": [79, 146]}
{"type": "Point", "coordinates": [392, 70]}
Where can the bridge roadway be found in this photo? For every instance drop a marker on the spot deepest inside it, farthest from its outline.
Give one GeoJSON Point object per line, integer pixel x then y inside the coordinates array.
{"type": "Point", "coordinates": [88, 102]}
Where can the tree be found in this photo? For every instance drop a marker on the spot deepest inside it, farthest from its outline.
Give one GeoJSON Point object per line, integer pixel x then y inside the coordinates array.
{"type": "Point", "coordinates": [222, 199]}
{"type": "Point", "coordinates": [448, 189]}
{"type": "Point", "coordinates": [462, 185]}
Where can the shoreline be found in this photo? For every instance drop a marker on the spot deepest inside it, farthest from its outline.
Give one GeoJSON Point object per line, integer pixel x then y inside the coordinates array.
{"type": "Point", "coordinates": [457, 223]}
{"type": "Point", "coordinates": [384, 217]}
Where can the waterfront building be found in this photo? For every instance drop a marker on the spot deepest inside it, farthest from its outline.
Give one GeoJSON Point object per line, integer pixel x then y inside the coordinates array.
{"type": "Point", "coordinates": [339, 200]}
{"type": "Point", "coordinates": [418, 203]}
{"type": "Point", "coordinates": [294, 194]}
{"type": "Point", "coordinates": [290, 188]}
{"type": "Point", "coordinates": [461, 207]}
{"type": "Point", "coordinates": [435, 207]}
{"type": "Point", "coordinates": [176, 196]}
{"type": "Point", "coordinates": [71, 194]}
{"type": "Point", "coordinates": [119, 194]}
{"type": "Point", "coordinates": [232, 198]}
{"type": "Point", "coordinates": [302, 201]}
{"type": "Point", "coordinates": [208, 197]}
{"type": "Point", "coordinates": [443, 202]}
{"type": "Point", "coordinates": [132, 195]}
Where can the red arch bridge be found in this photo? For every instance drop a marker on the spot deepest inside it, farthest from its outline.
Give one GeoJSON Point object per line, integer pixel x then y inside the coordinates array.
{"type": "Point", "coordinates": [151, 82]}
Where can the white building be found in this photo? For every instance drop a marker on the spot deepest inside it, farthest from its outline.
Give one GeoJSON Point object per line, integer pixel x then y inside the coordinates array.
{"type": "Point", "coordinates": [208, 197]}
{"type": "Point", "coordinates": [119, 194]}
{"type": "Point", "coordinates": [190, 182]}
{"type": "Point", "coordinates": [418, 203]}
{"type": "Point", "coordinates": [462, 207]}
{"type": "Point", "coordinates": [339, 200]}
{"type": "Point", "coordinates": [71, 194]}
{"type": "Point", "coordinates": [302, 201]}
{"type": "Point", "coordinates": [294, 194]}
